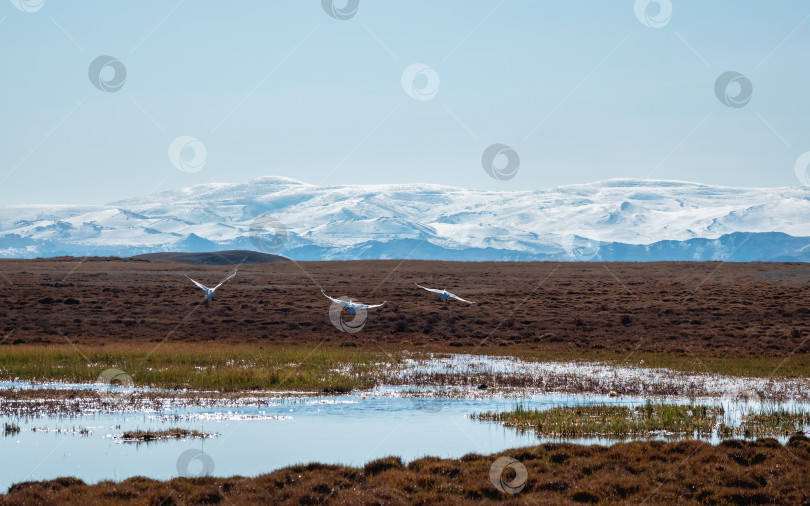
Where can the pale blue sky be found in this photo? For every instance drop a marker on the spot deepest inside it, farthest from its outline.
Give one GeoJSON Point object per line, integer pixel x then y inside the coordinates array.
{"type": "Point", "coordinates": [583, 91]}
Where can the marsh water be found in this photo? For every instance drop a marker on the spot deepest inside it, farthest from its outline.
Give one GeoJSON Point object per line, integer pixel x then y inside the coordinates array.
{"type": "Point", "coordinates": [251, 440]}
{"type": "Point", "coordinates": [272, 431]}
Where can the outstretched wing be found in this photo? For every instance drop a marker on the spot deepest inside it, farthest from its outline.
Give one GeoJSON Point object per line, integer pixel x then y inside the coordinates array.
{"type": "Point", "coordinates": [369, 306]}
{"type": "Point", "coordinates": [429, 289]}
{"type": "Point", "coordinates": [337, 301]}
{"type": "Point", "coordinates": [459, 298]}
{"type": "Point", "coordinates": [198, 284]}
{"type": "Point", "coordinates": [226, 279]}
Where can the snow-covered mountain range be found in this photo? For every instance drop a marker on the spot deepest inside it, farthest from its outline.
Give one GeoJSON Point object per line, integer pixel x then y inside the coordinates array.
{"type": "Point", "coordinates": [622, 219]}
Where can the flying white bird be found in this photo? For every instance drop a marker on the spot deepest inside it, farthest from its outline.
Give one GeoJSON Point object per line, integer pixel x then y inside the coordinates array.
{"type": "Point", "coordinates": [444, 294]}
{"type": "Point", "coordinates": [209, 292]}
{"type": "Point", "coordinates": [352, 306]}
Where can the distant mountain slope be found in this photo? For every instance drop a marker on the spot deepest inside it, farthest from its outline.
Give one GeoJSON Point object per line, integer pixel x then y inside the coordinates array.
{"type": "Point", "coordinates": [622, 219]}
{"type": "Point", "coordinates": [229, 257]}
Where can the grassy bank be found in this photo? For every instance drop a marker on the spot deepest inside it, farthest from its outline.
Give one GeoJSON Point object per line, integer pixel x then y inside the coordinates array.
{"type": "Point", "coordinates": [225, 368]}
{"type": "Point", "coordinates": [322, 368]}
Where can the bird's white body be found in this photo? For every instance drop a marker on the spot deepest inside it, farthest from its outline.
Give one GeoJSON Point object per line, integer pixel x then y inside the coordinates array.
{"type": "Point", "coordinates": [209, 292]}
{"type": "Point", "coordinates": [444, 294]}
{"type": "Point", "coordinates": [351, 306]}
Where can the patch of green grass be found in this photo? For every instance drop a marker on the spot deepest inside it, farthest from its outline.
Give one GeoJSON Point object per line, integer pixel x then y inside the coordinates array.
{"type": "Point", "coordinates": [772, 421]}
{"type": "Point", "coordinates": [623, 421]}
{"type": "Point", "coordinates": [611, 420]}
{"type": "Point", "coordinates": [203, 366]}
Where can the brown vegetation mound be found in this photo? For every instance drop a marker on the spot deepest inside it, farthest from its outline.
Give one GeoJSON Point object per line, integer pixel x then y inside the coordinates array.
{"type": "Point", "coordinates": [734, 472]}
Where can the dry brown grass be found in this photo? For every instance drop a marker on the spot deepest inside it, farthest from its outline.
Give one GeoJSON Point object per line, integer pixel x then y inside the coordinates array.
{"type": "Point", "coordinates": [734, 472]}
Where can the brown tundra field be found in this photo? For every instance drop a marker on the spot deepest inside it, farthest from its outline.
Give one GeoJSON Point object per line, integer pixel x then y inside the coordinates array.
{"type": "Point", "coordinates": [705, 309]}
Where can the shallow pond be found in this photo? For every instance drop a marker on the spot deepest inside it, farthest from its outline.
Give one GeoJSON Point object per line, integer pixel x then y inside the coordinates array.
{"type": "Point", "coordinates": [347, 429]}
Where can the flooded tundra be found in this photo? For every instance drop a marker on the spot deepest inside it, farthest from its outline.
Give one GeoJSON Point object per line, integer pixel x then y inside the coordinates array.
{"type": "Point", "coordinates": [423, 407]}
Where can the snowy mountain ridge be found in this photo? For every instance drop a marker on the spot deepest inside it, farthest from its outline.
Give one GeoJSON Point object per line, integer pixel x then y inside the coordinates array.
{"type": "Point", "coordinates": [619, 219]}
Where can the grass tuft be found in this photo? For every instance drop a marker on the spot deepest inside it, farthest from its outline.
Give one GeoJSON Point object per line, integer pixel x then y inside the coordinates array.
{"type": "Point", "coordinates": [10, 429]}
{"type": "Point", "coordinates": [649, 419]}
{"type": "Point", "coordinates": [611, 420]}
{"type": "Point", "coordinates": [141, 436]}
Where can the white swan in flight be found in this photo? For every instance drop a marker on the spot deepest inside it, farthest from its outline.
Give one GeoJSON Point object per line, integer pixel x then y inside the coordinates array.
{"type": "Point", "coordinates": [209, 292]}
{"type": "Point", "coordinates": [352, 306]}
{"type": "Point", "coordinates": [444, 294]}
